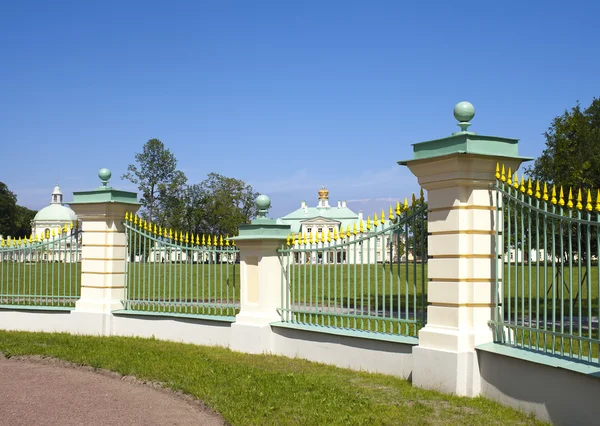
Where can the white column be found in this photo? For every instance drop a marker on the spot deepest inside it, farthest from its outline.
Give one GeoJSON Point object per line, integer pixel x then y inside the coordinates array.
{"type": "Point", "coordinates": [261, 290]}
{"type": "Point", "coordinates": [103, 263]}
{"type": "Point", "coordinates": [462, 269]}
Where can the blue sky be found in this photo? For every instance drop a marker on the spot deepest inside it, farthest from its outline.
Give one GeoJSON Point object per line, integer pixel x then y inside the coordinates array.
{"type": "Point", "coordinates": [286, 95]}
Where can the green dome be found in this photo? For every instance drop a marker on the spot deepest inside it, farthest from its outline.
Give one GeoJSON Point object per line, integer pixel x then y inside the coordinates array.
{"type": "Point", "coordinates": [55, 213]}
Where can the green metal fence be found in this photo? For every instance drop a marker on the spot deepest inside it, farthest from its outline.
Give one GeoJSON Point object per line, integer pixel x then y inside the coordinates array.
{"type": "Point", "coordinates": [370, 278]}
{"type": "Point", "coordinates": [548, 283]}
{"type": "Point", "coordinates": [175, 273]}
{"type": "Point", "coordinates": [42, 271]}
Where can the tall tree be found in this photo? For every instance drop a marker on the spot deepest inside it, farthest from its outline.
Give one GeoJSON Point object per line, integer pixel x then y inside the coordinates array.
{"type": "Point", "coordinates": [218, 205]}
{"type": "Point", "coordinates": [156, 175]}
{"type": "Point", "coordinates": [23, 219]}
{"type": "Point", "coordinates": [572, 157]}
{"type": "Point", "coordinates": [8, 211]}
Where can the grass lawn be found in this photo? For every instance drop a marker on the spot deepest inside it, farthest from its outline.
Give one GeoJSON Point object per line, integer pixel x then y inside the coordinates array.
{"type": "Point", "coordinates": [40, 283]}
{"type": "Point", "coordinates": [266, 389]}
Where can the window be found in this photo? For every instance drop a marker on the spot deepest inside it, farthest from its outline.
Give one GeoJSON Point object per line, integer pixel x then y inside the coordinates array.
{"type": "Point", "coordinates": [158, 257]}
{"type": "Point", "coordinates": [319, 230]}
{"type": "Point", "coordinates": [309, 229]}
{"type": "Point", "coordinates": [331, 230]}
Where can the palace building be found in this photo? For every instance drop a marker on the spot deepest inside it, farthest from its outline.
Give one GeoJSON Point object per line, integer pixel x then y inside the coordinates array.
{"type": "Point", "coordinates": [316, 223]}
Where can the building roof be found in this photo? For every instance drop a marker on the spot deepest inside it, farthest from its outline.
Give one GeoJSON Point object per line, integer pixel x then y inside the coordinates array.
{"type": "Point", "coordinates": [56, 211]}
{"type": "Point", "coordinates": [341, 214]}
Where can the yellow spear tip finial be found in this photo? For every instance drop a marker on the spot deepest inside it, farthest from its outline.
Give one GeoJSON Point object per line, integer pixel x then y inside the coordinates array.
{"type": "Point", "coordinates": [509, 176]}
{"type": "Point", "coordinates": [579, 205]}
{"type": "Point", "coordinates": [503, 175]}
{"type": "Point", "coordinates": [497, 170]}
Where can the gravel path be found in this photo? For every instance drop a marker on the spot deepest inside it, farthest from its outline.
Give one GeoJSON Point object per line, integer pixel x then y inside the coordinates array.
{"type": "Point", "coordinates": [42, 391]}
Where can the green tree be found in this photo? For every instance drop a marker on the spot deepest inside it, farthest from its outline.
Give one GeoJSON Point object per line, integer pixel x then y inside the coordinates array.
{"type": "Point", "coordinates": [218, 205]}
{"type": "Point", "coordinates": [161, 184]}
{"type": "Point", "coordinates": [8, 211]}
{"type": "Point", "coordinates": [24, 217]}
{"type": "Point", "coordinates": [571, 157]}
{"type": "Point", "coordinates": [416, 241]}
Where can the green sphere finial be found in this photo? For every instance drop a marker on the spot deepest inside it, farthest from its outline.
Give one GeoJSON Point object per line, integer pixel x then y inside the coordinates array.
{"type": "Point", "coordinates": [263, 203]}
{"type": "Point", "coordinates": [464, 112]}
{"type": "Point", "coordinates": [104, 175]}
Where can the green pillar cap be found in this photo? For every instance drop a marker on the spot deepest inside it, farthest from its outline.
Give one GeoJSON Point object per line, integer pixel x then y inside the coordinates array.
{"type": "Point", "coordinates": [466, 142]}
{"type": "Point", "coordinates": [263, 228]}
{"type": "Point", "coordinates": [104, 193]}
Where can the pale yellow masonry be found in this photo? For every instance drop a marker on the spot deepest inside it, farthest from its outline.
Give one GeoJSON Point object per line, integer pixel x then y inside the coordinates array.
{"type": "Point", "coordinates": [103, 256]}
{"type": "Point", "coordinates": [462, 269]}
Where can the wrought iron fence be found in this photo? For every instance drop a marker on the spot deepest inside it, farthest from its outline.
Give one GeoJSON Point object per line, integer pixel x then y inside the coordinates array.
{"type": "Point", "coordinates": [368, 278]}
{"type": "Point", "coordinates": [42, 270]}
{"type": "Point", "coordinates": [175, 273]}
{"type": "Point", "coordinates": [548, 283]}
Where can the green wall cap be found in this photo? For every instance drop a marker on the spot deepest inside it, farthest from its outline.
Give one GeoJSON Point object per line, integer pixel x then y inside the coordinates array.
{"type": "Point", "coordinates": [465, 142]}
{"type": "Point", "coordinates": [104, 196]}
{"type": "Point", "coordinates": [263, 228]}
{"type": "Point", "coordinates": [104, 193]}
{"type": "Point", "coordinates": [263, 231]}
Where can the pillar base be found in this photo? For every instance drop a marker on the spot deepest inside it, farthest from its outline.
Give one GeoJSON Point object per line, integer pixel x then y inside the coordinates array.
{"type": "Point", "coordinates": [91, 323]}
{"type": "Point", "coordinates": [251, 332]}
{"type": "Point", "coordinates": [446, 371]}
{"type": "Point", "coordinates": [251, 338]}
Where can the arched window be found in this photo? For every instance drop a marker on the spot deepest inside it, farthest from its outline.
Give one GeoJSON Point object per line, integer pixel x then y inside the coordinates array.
{"type": "Point", "coordinates": [47, 232]}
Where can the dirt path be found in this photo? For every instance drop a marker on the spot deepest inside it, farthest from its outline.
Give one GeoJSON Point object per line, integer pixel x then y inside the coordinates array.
{"type": "Point", "coordinates": [41, 391]}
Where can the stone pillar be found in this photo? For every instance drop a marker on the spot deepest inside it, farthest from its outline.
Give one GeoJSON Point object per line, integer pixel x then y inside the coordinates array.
{"type": "Point", "coordinates": [103, 252]}
{"type": "Point", "coordinates": [457, 172]}
{"type": "Point", "coordinates": [260, 277]}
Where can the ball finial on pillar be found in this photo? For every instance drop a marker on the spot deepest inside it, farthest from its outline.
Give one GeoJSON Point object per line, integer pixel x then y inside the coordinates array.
{"type": "Point", "coordinates": [104, 175]}
{"type": "Point", "coordinates": [464, 112]}
{"type": "Point", "coordinates": [263, 203]}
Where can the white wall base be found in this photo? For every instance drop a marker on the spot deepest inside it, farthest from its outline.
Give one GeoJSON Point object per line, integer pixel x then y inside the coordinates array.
{"type": "Point", "coordinates": [450, 372]}
{"type": "Point", "coordinates": [92, 323]}
{"type": "Point", "coordinates": [184, 330]}
{"type": "Point", "coordinates": [557, 395]}
{"type": "Point", "coordinates": [356, 353]}
{"type": "Point", "coordinates": [23, 320]}
{"type": "Point", "coordinates": [251, 339]}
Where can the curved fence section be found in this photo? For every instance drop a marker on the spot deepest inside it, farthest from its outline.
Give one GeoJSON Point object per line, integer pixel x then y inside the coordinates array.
{"type": "Point", "coordinates": [175, 273]}
{"type": "Point", "coordinates": [547, 283]}
{"type": "Point", "coordinates": [42, 271]}
{"type": "Point", "coordinates": [370, 277]}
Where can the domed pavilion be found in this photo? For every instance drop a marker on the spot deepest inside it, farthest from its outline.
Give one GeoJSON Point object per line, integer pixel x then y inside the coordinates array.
{"type": "Point", "coordinates": [54, 216]}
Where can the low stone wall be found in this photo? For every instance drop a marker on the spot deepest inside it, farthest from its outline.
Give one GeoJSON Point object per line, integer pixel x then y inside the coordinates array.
{"type": "Point", "coordinates": [563, 395]}
{"type": "Point", "coordinates": [356, 353]}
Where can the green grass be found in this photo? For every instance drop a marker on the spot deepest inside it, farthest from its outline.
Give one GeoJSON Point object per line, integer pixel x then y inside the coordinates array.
{"type": "Point", "coordinates": [532, 308]}
{"type": "Point", "coordinates": [265, 389]}
{"type": "Point", "coordinates": [204, 289]}
{"type": "Point", "coordinates": [40, 283]}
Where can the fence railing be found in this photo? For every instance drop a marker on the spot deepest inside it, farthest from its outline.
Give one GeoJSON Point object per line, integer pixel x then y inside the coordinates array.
{"type": "Point", "coordinates": [371, 278]}
{"type": "Point", "coordinates": [41, 271]}
{"type": "Point", "coordinates": [175, 273]}
{"type": "Point", "coordinates": [548, 283]}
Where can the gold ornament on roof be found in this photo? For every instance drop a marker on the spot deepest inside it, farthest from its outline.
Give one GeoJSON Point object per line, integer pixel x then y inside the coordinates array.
{"type": "Point", "coordinates": [323, 193]}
